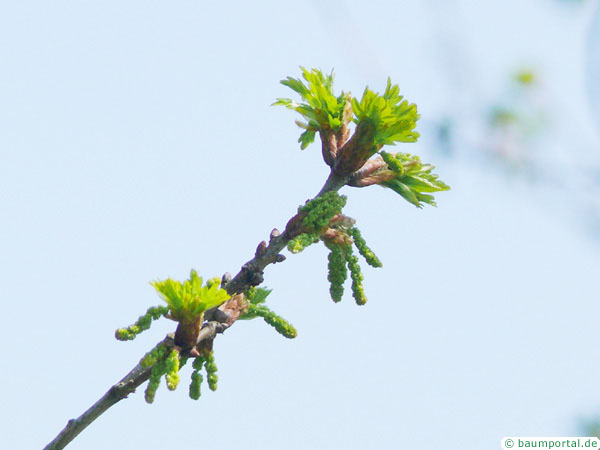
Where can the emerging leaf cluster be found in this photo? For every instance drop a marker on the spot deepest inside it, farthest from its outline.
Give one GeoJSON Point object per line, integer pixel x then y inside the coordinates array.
{"type": "Point", "coordinates": [189, 300]}
{"type": "Point", "coordinates": [186, 301]}
{"type": "Point", "coordinates": [257, 308]}
{"type": "Point", "coordinates": [392, 118]}
{"type": "Point", "coordinates": [321, 108]}
{"type": "Point", "coordinates": [412, 179]}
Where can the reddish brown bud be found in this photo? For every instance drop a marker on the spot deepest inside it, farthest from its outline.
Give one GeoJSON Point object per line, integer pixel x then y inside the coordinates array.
{"type": "Point", "coordinates": [374, 171]}
{"type": "Point", "coordinates": [294, 227]}
{"type": "Point", "coordinates": [355, 153]}
{"type": "Point", "coordinates": [226, 278]}
{"type": "Point", "coordinates": [329, 146]}
{"type": "Point", "coordinates": [234, 307]}
{"type": "Point", "coordinates": [261, 249]}
{"type": "Point", "coordinates": [343, 136]}
{"type": "Point", "coordinates": [186, 334]}
{"type": "Point", "coordinates": [337, 237]}
{"type": "Point", "coordinates": [341, 220]}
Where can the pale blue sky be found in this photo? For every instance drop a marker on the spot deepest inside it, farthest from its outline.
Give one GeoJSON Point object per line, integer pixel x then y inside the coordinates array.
{"type": "Point", "coordinates": [137, 142]}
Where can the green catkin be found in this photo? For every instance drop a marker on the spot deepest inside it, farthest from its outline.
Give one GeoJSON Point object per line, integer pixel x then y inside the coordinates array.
{"type": "Point", "coordinates": [142, 324]}
{"type": "Point", "coordinates": [320, 210]}
{"type": "Point", "coordinates": [357, 277]}
{"type": "Point", "coordinates": [211, 372]}
{"type": "Point", "coordinates": [158, 371]}
{"type": "Point", "coordinates": [302, 241]}
{"type": "Point", "coordinates": [153, 356]}
{"type": "Point", "coordinates": [195, 385]}
{"type": "Point", "coordinates": [172, 370]}
{"type": "Point", "coordinates": [337, 272]}
{"type": "Point", "coordinates": [198, 362]}
{"type": "Point", "coordinates": [363, 249]}
{"type": "Point", "coordinates": [281, 325]}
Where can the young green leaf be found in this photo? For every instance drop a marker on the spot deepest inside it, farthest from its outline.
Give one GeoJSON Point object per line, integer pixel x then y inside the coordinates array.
{"type": "Point", "coordinates": [411, 178]}
{"type": "Point", "coordinates": [189, 300]}
{"type": "Point", "coordinates": [394, 119]}
{"type": "Point", "coordinates": [257, 295]}
{"type": "Point", "coordinates": [321, 108]}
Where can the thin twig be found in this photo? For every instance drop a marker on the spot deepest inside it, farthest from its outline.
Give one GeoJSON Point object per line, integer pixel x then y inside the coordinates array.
{"type": "Point", "coordinates": [334, 183]}
{"type": "Point", "coordinates": [127, 385]}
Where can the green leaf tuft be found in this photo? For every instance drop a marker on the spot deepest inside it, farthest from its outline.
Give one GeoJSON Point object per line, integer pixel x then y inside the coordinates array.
{"type": "Point", "coordinates": [189, 300]}
{"type": "Point", "coordinates": [412, 179]}
{"type": "Point", "coordinates": [257, 295]}
{"type": "Point", "coordinates": [321, 108]}
{"type": "Point", "coordinates": [393, 118]}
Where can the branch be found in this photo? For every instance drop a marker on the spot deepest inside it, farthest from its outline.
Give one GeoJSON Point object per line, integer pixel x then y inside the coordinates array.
{"type": "Point", "coordinates": [127, 385]}
{"type": "Point", "coordinates": [381, 120]}
{"type": "Point", "coordinates": [251, 274]}
{"type": "Point", "coordinates": [116, 393]}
